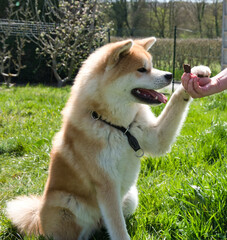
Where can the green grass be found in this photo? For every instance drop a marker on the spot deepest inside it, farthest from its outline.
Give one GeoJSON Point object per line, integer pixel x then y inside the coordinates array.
{"type": "Point", "coordinates": [183, 195]}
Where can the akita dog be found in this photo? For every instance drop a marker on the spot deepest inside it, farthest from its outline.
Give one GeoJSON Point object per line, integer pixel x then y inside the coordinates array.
{"type": "Point", "coordinates": [95, 159]}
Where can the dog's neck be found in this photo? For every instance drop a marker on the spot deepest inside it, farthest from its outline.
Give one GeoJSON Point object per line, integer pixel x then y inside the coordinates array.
{"type": "Point", "coordinates": [114, 111]}
{"type": "Point", "coordinates": [126, 131]}
{"type": "Point", "coordinates": [118, 116]}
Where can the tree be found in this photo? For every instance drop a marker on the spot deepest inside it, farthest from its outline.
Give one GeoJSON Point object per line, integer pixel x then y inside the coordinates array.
{"type": "Point", "coordinates": [77, 31]}
{"type": "Point", "coordinates": [138, 18]}
{"type": "Point", "coordinates": [119, 14]}
{"type": "Point", "coordinates": [199, 9]}
{"type": "Point", "coordinates": [172, 13]}
{"type": "Point", "coordinates": [160, 11]}
{"type": "Point", "coordinates": [3, 5]}
{"type": "Point", "coordinates": [11, 48]}
{"type": "Point", "coordinates": [216, 7]}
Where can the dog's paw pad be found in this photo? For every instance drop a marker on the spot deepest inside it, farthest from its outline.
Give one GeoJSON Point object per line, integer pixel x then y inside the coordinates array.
{"type": "Point", "coordinates": [201, 71]}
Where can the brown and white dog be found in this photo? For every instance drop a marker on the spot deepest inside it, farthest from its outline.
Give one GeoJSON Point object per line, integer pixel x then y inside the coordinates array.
{"type": "Point", "coordinates": [107, 124]}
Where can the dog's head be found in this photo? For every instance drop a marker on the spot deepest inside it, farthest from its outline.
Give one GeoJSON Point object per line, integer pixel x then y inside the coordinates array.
{"type": "Point", "coordinates": [123, 72]}
{"type": "Point", "coordinates": [129, 71]}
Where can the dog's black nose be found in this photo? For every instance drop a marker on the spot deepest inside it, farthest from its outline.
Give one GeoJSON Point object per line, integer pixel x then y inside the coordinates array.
{"type": "Point", "coordinates": [169, 76]}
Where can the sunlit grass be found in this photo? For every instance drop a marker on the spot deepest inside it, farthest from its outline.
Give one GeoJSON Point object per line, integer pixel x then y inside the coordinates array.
{"type": "Point", "coordinates": [183, 195]}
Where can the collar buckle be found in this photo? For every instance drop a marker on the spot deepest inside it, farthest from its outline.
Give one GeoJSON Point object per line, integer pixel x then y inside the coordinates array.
{"type": "Point", "coordinates": [126, 130]}
{"type": "Point", "coordinates": [95, 115]}
{"type": "Point", "coordinates": [139, 153]}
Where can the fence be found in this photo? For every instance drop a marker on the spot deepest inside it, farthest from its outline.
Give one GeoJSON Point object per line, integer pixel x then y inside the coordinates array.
{"type": "Point", "coordinates": [21, 28]}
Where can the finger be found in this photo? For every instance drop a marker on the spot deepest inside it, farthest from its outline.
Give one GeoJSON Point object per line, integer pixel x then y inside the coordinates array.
{"type": "Point", "coordinates": [196, 87]}
{"type": "Point", "coordinates": [200, 90]}
{"type": "Point", "coordinates": [204, 90]}
{"type": "Point", "coordinates": [184, 79]}
{"type": "Point", "coordinates": [191, 88]}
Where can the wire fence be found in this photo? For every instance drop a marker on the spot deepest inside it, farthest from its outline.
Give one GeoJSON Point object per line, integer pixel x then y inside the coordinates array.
{"type": "Point", "coordinates": [25, 28]}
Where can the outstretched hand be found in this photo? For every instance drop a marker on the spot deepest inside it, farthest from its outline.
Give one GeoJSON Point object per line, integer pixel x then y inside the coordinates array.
{"type": "Point", "coordinates": [198, 87]}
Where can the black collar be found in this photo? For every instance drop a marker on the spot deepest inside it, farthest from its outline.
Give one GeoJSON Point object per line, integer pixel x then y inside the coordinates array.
{"type": "Point", "coordinates": [131, 139]}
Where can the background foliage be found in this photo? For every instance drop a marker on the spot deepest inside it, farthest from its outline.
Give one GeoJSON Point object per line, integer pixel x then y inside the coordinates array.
{"type": "Point", "coordinates": [64, 33]}
{"type": "Point", "coordinates": [197, 21]}
{"type": "Point", "coordinates": [158, 18]}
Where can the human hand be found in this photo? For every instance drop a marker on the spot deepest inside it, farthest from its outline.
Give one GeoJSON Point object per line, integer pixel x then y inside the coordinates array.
{"type": "Point", "coordinates": [199, 87]}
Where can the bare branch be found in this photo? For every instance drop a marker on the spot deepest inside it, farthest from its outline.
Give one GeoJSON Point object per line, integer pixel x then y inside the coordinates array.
{"type": "Point", "coordinates": [11, 65]}
{"type": "Point", "coordinates": [72, 39]}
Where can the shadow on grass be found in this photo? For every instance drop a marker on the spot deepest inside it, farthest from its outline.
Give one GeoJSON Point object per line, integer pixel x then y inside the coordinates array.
{"type": "Point", "coordinates": [100, 235]}
{"type": "Point", "coordinates": [11, 233]}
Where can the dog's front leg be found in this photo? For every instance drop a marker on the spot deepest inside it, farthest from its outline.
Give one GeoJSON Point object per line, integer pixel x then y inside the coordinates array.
{"type": "Point", "coordinates": [110, 204]}
{"type": "Point", "coordinates": [159, 135]}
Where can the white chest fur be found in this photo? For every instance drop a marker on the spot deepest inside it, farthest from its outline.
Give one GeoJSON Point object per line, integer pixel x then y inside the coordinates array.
{"type": "Point", "coordinates": [118, 160]}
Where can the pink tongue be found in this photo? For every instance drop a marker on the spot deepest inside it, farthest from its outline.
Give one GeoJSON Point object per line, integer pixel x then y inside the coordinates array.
{"type": "Point", "coordinates": [159, 96]}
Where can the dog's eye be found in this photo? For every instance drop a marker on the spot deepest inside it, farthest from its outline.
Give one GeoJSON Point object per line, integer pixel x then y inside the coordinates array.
{"type": "Point", "coordinates": [142, 70]}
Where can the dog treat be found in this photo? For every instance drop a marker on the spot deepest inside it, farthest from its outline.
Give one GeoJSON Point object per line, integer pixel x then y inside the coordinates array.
{"type": "Point", "coordinates": [187, 68]}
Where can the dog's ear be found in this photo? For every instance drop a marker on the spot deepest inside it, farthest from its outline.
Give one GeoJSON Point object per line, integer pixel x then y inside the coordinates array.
{"type": "Point", "coordinates": [119, 50]}
{"type": "Point", "coordinates": [146, 43]}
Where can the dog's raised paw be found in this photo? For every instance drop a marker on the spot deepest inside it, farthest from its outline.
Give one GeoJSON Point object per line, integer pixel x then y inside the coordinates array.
{"type": "Point", "coordinates": [201, 71]}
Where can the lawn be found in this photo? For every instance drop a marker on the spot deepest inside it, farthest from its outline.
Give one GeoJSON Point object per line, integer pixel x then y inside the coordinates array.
{"type": "Point", "coordinates": [183, 195]}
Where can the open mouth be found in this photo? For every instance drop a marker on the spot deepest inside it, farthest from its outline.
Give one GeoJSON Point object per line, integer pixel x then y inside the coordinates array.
{"type": "Point", "coordinates": [149, 96]}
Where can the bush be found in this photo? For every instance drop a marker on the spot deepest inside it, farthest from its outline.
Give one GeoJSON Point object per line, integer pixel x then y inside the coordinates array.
{"type": "Point", "coordinates": [192, 51]}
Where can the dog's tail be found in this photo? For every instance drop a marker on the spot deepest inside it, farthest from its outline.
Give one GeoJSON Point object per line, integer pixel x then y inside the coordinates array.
{"type": "Point", "coordinates": [24, 214]}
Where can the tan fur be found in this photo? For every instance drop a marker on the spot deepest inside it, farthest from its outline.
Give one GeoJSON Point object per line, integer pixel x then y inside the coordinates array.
{"type": "Point", "coordinates": [93, 170]}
